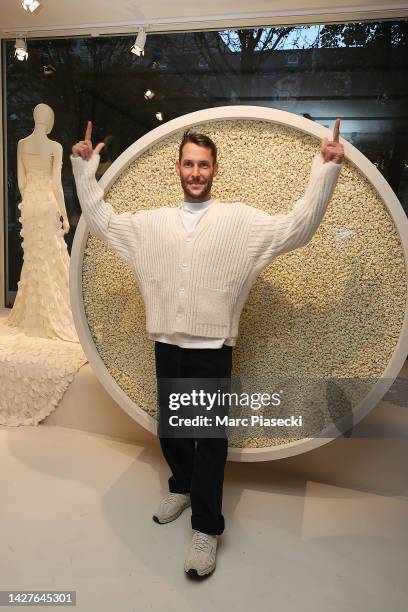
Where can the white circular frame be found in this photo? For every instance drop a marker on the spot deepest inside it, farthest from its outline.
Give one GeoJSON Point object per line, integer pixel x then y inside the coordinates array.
{"type": "Point", "coordinates": [232, 113]}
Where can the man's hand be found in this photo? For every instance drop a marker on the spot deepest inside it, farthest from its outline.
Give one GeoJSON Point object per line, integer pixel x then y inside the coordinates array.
{"type": "Point", "coordinates": [83, 148]}
{"type": "Point", "coordinates": [332, 150]}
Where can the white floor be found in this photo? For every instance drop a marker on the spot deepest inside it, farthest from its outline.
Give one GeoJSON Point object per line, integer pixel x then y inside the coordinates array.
{"type": "Point", "coordinates": [76, 515]}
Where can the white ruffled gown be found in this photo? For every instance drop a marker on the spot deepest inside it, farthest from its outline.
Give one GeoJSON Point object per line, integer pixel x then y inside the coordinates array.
{"type": "Point", "coordinates": [40, 351]}
{"type": "Point", "coordinates": [42, 306]}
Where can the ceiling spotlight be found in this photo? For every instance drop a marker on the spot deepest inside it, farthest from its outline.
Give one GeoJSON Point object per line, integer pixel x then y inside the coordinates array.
{"type": "Point", "coordinates": [138, 47]}
{"type": "Point", "coordinates": [149, 94]}
{"type": "Point", "coordinates": [159, 116]}
{"type": "Point", "coordinates": [30, 5]}
{"type": "Point", "coordinates": [20, 49]}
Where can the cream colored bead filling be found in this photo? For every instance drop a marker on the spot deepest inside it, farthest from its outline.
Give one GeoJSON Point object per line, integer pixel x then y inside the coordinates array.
{"type": "Point", "coordinates": [330, 310]}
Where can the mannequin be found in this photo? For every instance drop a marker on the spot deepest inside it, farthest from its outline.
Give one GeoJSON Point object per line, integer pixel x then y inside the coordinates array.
{"type": "Point", "coordinates": [38, 144]}
{"type": "Point", "coordinates": [39, 347]}
{"type": "Point", "coordinates": [42, 306]}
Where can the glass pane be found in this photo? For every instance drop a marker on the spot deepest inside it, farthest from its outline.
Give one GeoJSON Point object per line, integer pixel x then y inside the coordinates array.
{"type": "Point", "coordinates": [355, 71]}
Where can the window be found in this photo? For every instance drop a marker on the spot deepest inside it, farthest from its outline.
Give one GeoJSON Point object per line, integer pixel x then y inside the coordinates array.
{"type": "Point", "coordinates": [356, 71]}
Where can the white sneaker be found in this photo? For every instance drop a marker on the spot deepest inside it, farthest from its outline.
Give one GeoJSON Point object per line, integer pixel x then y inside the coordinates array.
{"type": "Point", "coordinates": [202, 554]}
{"type": "Point", "coordinates": [171, 507]}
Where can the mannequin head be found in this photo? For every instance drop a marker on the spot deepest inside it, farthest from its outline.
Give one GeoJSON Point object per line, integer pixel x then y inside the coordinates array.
{"type": "Point", "coordinates": [43, 114]}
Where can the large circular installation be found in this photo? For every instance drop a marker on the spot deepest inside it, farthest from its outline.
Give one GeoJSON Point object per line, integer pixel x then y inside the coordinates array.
{"type": "Point", "coordinates": [325, 324]}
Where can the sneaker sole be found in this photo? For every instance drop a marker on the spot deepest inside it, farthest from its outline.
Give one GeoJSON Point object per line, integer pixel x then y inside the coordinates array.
{"type": "Point", "coordinates": [196, 574]}
{"type": "Point", "coordinates": [172, 517]}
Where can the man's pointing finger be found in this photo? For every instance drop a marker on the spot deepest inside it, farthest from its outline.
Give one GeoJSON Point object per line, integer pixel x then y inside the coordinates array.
{"type": "Point", "coordinates": [88, 132]}
{"type": "Point", "coordinates": [336, 130]}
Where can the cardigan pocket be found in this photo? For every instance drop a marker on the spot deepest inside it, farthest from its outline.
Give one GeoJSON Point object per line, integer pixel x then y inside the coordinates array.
{"type": "Point", "coordinates": [213, 306]}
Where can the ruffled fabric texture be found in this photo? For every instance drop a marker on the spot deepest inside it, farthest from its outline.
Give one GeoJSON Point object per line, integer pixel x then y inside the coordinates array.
{"type": "Point", "coordinates": [42, 306]}
{"type": "Point", "coordinates": [34, 375]}
{"type": "Point", "coordinates": [39, 347]}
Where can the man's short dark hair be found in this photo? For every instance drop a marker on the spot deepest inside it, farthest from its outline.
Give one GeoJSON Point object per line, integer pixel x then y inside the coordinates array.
{"type": "Point", "coordinates": [201, 140]}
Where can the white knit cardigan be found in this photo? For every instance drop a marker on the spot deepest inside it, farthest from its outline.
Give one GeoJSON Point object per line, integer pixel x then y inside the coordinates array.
{"type": "Point", "coordinates": [197, 284]}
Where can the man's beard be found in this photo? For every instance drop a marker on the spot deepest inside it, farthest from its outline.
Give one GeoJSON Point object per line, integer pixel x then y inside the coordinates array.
{"type": "Point", "coordinates": [192, 194]}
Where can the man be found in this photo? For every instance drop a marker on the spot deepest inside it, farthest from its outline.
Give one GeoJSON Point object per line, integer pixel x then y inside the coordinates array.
{"type": "Point", "coordinates": [196, 265]}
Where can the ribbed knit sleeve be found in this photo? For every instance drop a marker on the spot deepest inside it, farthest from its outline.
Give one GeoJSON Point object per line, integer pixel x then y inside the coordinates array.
{"type": "Point", "coordinates": [120, 231]}
{"type": "Point", "coordinates": [272, 235]}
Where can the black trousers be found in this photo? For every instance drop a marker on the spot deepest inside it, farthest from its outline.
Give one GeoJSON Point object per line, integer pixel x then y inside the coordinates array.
{"type": "Point", "coordinates": [197, 464]}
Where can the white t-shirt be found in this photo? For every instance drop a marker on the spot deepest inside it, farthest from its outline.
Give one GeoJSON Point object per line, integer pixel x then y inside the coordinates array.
{"type": "Point", "coordinates": [190, 215]}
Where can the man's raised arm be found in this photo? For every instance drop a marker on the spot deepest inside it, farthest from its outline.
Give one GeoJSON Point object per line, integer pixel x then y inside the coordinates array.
{"type": "Point", "coordinates": [121, 232]}
{"type": "Point", "coordinates": [273, 235]}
